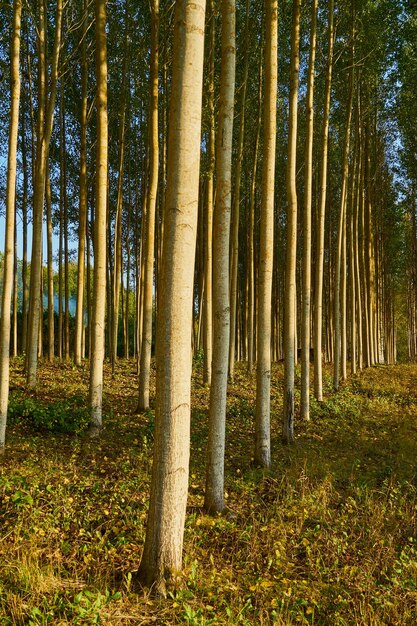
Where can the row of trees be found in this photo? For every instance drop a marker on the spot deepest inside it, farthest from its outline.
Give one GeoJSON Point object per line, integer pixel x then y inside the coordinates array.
{"type": "Point", "coordinates": [264, 210]}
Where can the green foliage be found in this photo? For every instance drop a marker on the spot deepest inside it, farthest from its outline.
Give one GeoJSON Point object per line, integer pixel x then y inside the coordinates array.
{"type": "Point", "coordinates": [327, 536]}
{"type": "Point", "coordinates": [64, 416]}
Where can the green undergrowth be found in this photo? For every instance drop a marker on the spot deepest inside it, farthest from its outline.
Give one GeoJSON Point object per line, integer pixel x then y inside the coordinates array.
{"type": "Point", "coordinates": [326, 537]}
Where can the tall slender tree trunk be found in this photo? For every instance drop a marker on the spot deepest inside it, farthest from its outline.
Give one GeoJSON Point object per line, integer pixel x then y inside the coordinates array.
{"type": "Point", "coordinates": [25, 166]}
{"type": "Point", "coordinates": [318, 298]}
{"type": "Point", "coordinates": [306, 300]}
{"type": "Point", "coordinates": [15, 292]}
{"type": "Point", "coordinates": [251, 230]}
{"type": "Point", "coordinates": [82, 210]}
{"type": "Point", "coordinates": [162, 555]}
{"type": "Point", "coordinates": [234, 256]}
{"type": "Point", "coordinates": [290, 320]}
{"type": "Point", "coordinates": [10, 221]}
{"type": "Point", "coordinates": [145, 354]}
{"type": "Point", "coordinates": [214, 494]}
{"type": "Point", "coordinates": [45, 123]}
{"type": "Point", "coordinates": [340, 286]}
{"type": "Point", "coordinates": [99, 280]}
{"type": "Point", "coordinates": [118, 265]}
{"type": "Point", "coordinates": [65, 205]}
{"type": "Point", "coordinates": [208, 276]}
{"type": "Point", "coordinates": [50, 270]}
{"type": "Point", "coordinates": [266, 252]}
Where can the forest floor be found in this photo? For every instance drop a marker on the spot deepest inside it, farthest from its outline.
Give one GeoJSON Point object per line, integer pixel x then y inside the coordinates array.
{"type": "Point", "coordinates": [327, 537]}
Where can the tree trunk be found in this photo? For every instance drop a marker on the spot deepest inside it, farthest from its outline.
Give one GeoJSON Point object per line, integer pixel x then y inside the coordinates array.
{"type": "Point", "coordinates": [10, 221]}
{"type": "Point", "coordinates": [234, 256]}
{"type": "Point", "coordinates": [290, 268]}
{"type": "Point", "coordinates": [82, 210]}
{"type": "Point", "coordinates": [145, 354]}
{"type": "Point", "coordinates": [118, 265]}
{"type": "Point", "coordinates": [25, 166]}
{"type": "Point", "coordinates": [306, 300]}
{"type": "Point", "coordinates": [162, 555]}
{"type": "Point", "coordinates": [251, 231]}
{"type": "Point", "coordinates": [266, 253]}
{"type": "Point", "coordinates": [214, 494]}
{"type": "Point", "coordinates": [99, 279]}
{"type": "Point", "coordinates": [45, 123]}
{"type": "Point", "coordinates": [318, 299]}
{"type": "Point", "coordinates": [208, 278]}
{"type": "Point", "coordinates": [340, 285]}
{"type": "Point", "coordinates": [50, 269]}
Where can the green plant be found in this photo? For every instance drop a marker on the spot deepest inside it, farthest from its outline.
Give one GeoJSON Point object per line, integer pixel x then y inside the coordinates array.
{"type": "Point", "coordinates": [64, 416]}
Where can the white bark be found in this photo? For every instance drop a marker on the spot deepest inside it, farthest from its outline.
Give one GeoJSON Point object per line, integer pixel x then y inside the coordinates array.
{"type": "Point", "coordinates": [214, 495]}
{"type": "Point", "coordinates": [162, 556]}
{"type": "Point", "coordinates": [290, 319]}
{"type": "Point", "coordinates": [266, 254]}
{"type": "Point", "coordinates": [100, 219]}
{"type": "Point", "coordinates": [145, 353]}
{"type": "Point", "coordinates": [318, 304]}
{"type": "Point", "coordinates": [306, 301]}
{"type": "Point", "coordinates": [10, 223]}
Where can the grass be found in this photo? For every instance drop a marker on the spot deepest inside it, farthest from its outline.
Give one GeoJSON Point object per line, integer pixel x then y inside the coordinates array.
{"type": "Point", "coordinates": [327, 537]}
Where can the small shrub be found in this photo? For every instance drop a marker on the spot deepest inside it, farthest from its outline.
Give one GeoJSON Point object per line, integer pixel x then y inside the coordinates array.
{"type": "Point", "coordinates": [64, 416]}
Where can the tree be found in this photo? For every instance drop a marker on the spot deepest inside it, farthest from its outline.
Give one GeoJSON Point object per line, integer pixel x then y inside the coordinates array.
{"type": "Point", "coordinates": [46, 107]}
{"type": "Point", "coordinates": [82, 220]}
{"type": "Point", "coordinates": [99, 282]}
{"type": "Point", "coordinates": [306, 312]}
{"type": "Point", "coordinates": [145, 353]}
{"type": "Point", "coordinates": [162, 555]}
{"type": "Point", "coordinates": [290, 270]}
{"type": "Point", "coordinates": [214, 494]}
{"type": "Point", "coordinates": [318, 297]}
{"type": "Point", "coordinates": [10, 222]}
{"type": "Point", "coordinates": [263, 367]}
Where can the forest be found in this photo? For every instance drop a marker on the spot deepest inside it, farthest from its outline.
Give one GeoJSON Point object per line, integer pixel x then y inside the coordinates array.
{"type": "Point", "coordinates": [208, 322]}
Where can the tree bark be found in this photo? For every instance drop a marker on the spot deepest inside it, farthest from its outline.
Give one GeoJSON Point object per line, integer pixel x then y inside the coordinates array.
{"type": "Point", "coordinates": [99, 279]}
{"type": "Point", "coordinates": [208, 276]}
{"type": "Point", "coordinates": [162, 555]}
{"type": "Point", "coordinates": [45, 123]}
{"type": "Point", "coordinates": [306, 300]}
{"type": "Point", "coordinates": [234, 256]}
{"type": "Point", "coordinates": [82, 209]}
{"type": "Point", "coordinates": [318, 300]}
{"type": "Point", "coordinates": [10, 221]}
{"type": "Point", "coordinates": [50, 269]}
{"type": "Point", "coordinates": [266, 253]}
{"type": "Point", "coordinates": [214, 494]}
{"type": "Point", "coordinates": [290, 269]}
{"type": "Point", "coordinates": [145, 353]}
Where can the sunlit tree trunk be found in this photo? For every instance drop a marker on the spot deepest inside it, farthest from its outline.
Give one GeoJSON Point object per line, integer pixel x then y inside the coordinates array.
{"type": "Point", "coordinates": [236, 207]}
{"type": "Point", "coordinates": [99, 278]}
{"type": "Point", "coordinates": [214, 494]}
{"type": "Point", "coordinates": [45, 122]}
{"type": "Point", "coordinates": [251, 231]}
{"type": "Point", "coordinates": [50, 270]}
{"type": "Point", "coordinates": [162, 555]}
{"type": "Point", "coordinates": [10, 221]}
{"type": "Point", "coordinates": [25, 166]}
{"type": "Point", "coordinates": [340, 285]}
{"type": "Point", "coordinates": [318, 297]}
{"type": "Point", "coordinates": [306, 300]}
{"type": "Point", "coordinates": [145, 354]}
{"type": "Point", "coordinates": [290, 320]}
{"type": "Point", "coordinates": [208, 276]}
{"type": "Point", "coordinates": [266, 252]}
{"type": "Point", "coordinates": [15, 292]}
{"type": "Point", "coordinates": [82, 209]}
{"type": "Point", "coordinates": [117, 273]}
